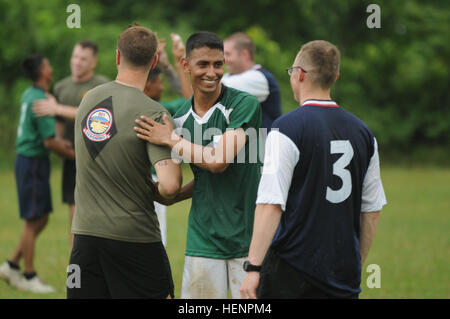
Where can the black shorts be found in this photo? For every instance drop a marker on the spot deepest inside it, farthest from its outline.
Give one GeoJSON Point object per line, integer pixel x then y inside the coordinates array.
{"type": "Point", "coordinates": [33, 186]}
{"type": "Point", "coordinates": [279, 280]}
{"type": "Point", "coordinates": [68, 182]}
{"type": "Point", "coordinates": [117, 269]}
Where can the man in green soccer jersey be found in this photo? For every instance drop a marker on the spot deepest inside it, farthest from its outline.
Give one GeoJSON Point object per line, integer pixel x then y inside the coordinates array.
{"type": "Point", "coordinates": [117, 244]}
{"type": "Point", "coordinates": [215, 123]}
{"type": "Point", "coordinates": [35, 140]}
{"type": "Point", "coordinates": [69, 92]}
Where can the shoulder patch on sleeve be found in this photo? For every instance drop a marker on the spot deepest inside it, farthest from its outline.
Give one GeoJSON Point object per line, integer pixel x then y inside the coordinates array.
{"type": "Point", "coordinates": [98, 127]}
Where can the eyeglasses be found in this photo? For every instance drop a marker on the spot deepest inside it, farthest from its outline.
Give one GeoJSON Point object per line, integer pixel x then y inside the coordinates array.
{"type": "Point", "coordinates": [291, 69]}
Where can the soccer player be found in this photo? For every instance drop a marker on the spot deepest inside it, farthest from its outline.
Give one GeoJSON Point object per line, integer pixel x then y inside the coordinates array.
{"type": "Point", "coordinates": [243, 74]}
{"type": "Point", "coordinates": [35, 140]}
{"type": "Point", "coordinates": [69, 92]}
{"type": "Point", "coordinates": [320, 193]}
{"type": "Point", "coordinates": [117, 243]}
{"type": "Point", "coordinates": [154, 89]}
{"type": "Point", "coordinates": [215, 123]}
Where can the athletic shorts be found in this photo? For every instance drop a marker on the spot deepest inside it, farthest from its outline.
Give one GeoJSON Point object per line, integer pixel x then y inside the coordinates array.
{"type": "Point", "coordinates": [209, 278]}
{"type": "Point", "coordinates": [118, 269]}
{"type": "Point", "coordinates": [279, 280]}
{"type": "Point", "coordinates": [33, 186]}
{"type": "Point", "coordinates": [68, 182]}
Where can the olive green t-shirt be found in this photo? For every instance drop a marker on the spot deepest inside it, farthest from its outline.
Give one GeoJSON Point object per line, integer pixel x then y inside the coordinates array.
{"type": "Point", "coordinates": [68, 92]}
{"type": "Point", "coordinates": [113, 193]}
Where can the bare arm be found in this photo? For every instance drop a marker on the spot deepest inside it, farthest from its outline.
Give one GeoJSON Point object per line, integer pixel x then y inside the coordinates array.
{"type": "Point", "coordinates": [179, 52]}
{"type": "Point", "coordinates": [50, 107]}
{"type": "Point", "coordinates": [215, 160]}
{"type": "Point", "coordinates": [185, 193]}
{"type": "Point", "coordinates": [169, 177]}
{"type": "Point", "coordinates": [61, 147]}
{"type": "Point", "coordinates": [368, 227]}
{"type": "Point", "coordinates": [267, 218]}
{"type": "Point", "coordinates": [164, 65]}
{"type": "Point", "coordinates": [59, 129]}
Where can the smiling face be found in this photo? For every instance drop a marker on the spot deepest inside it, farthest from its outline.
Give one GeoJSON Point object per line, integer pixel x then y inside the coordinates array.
{"type": "Point", "coordinates": [82, 62]}
{"type": "Point", "coordinates": [233, 58]}
{"type": "Point", "coordinates": [206, 67]}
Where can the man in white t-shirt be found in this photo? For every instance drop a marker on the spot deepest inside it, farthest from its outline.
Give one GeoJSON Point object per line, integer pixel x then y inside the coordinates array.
{"type": "Point", "coordinates": [244, 75]}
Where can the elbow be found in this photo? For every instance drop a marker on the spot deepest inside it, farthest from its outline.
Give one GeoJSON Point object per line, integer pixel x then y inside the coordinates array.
{"type": "Point", "coordinates": [169, 190]}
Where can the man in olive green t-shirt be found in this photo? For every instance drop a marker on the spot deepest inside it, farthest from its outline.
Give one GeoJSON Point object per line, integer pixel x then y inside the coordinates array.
{"type": "Point", "coordinates": [117, 244]}
{"type": "Point", "coordinates": [68, 93]}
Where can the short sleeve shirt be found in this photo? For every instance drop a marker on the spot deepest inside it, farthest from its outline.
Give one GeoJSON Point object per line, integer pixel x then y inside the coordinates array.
{"type": "Point", "coordinates": [223, 204]}
{"type": "Point", "coordinates": [68, 92]}
{"type": "Point", "coordinates": [32, 130]}
{"type": "Point", "coordinates": [114, 194]}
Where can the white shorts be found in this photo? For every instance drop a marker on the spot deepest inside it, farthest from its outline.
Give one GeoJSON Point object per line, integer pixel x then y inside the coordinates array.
{"type": "Point", "coordinates": [162, 219]}
{"type": "Point", "coordinates": [208, 278]}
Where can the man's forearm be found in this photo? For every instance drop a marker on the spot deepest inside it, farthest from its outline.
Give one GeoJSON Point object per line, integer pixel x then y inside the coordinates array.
{"type": "Point", "coordinates": [201, 156]}
{"type": "Point", "coordinates": [66, 111]}
{"type": "Point", "coordinates": [368, 227]}
{"type": "Point", "coordinates": [267, 219]}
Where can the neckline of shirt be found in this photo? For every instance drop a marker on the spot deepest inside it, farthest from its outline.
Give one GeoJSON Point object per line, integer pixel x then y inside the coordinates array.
{"type": "Point", "coordinates": [322, 103]}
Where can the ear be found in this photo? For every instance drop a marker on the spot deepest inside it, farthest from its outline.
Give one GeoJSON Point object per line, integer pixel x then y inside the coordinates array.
{"type": "Point", "coordinates": [155, 61]}
{"type": "Point", "coordinates": [301, 75]}
{"type": "Point", "coordinates": [185, 64]}
{"type": "Point", "coordinates": [117, 57]}
{"type": "Point", "coordinates": [338, 75]}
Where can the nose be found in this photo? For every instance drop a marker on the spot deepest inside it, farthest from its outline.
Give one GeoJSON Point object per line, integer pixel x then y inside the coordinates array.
{"type": "Point", "coordinates": [210, 72]}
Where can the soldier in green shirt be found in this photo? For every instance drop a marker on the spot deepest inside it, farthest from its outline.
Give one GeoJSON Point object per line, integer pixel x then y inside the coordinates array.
{"type": "Point", "coordinates": [215, 123]}
{"type": "Point", "coordinates": [35, 140]}
{"type": "Point", "coordinates": [68, 94]}
{"type": "Point", "coordinates": [117, 245]}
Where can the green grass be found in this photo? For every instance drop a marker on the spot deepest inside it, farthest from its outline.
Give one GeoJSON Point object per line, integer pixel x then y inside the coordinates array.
{"type": "Point", "coordinates": [412, 244]}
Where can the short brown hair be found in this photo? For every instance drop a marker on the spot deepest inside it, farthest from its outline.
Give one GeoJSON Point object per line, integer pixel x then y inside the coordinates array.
{"type": "Point", "coordinates": [137, 45]}
{"type": "Point", "coordinates": [243, 42]}
{"type": "Point", "coordinates": [89, 44]}
{"type": "Point", "coordinates": [321, 60]}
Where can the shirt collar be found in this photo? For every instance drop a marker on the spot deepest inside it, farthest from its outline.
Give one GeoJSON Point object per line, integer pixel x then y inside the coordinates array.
{"type": "Point", "coordinates": [323, 103]}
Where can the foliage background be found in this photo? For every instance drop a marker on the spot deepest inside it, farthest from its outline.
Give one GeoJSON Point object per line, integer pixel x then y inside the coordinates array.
{"type": "Point", "coordinates": [395, 78]}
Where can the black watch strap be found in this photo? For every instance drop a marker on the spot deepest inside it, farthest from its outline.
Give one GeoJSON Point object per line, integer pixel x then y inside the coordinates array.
{"type": "Point", "coordinates": [249, 267]}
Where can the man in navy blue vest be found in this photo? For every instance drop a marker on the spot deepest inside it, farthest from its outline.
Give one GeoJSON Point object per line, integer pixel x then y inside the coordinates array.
{"type": "Point", "coordinates": [244, 75]}
{"type": "Point", "coordinates": [320, 193]}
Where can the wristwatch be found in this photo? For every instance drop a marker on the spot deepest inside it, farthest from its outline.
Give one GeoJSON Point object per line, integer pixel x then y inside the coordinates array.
{"type": "Point", "coordinates": [249, 267]}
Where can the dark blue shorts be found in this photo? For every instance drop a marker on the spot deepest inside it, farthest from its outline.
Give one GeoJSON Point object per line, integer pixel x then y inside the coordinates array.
{"type": "Point", "coordinates": [33, 186]}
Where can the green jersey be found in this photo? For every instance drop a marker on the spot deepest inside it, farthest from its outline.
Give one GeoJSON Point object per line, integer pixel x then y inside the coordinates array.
{"type": "Point", "coordinates": [174, 105]}
{"type": "Point", "coordinates": [221, 216]}
{"type": "Point", "coordinates": [113, 193]}
{"type": "Point", "coordinates": [68, 92]}
{"type": "Point", "coordinates": [32, 130]}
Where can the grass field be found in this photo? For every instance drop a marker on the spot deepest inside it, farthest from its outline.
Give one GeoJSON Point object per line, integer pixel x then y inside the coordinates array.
{"type": "Point", "coordinates": [412, 245]}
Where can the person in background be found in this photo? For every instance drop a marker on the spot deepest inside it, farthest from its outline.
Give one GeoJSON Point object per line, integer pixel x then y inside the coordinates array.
{"type": "Point", "coordinates": [36, 138]}
{"type": "Point", "coordinates": [245, 75]}
{"type": "Point", "coordinates": [68, 94]}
